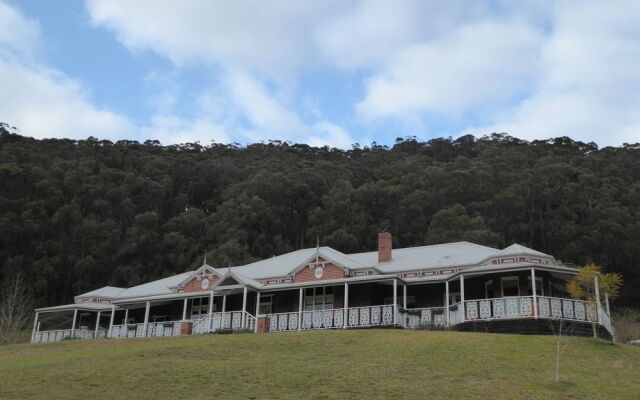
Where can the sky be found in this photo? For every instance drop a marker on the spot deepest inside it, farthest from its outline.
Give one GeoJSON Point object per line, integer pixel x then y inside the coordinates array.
{"type": "Point", "coordinates": [326, 72]}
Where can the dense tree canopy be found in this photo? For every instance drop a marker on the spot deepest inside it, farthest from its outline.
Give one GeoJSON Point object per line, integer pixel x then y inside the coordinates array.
{"type": "Point", "coordinates": [76, 215]}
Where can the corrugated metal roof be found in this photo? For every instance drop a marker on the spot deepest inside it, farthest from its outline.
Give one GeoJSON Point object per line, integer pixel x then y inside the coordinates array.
{"type": "Point", "coordinates": [106, 291]}
{"type": "Point", "coordinates": [458, 254]}
{"type": "Point", "coordinates": [161, 286]}
{"type": "Point", "coordinates": [429, 257]}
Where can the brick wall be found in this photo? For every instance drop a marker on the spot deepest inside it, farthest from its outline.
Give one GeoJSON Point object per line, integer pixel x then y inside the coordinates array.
{"type": "Point", "coordinates": [308, 273]}
{"type": "Point", "coordinates": [195, 285]}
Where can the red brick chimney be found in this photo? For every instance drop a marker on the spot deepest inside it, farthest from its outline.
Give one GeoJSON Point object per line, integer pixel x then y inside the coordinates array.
{"type": "Point", "coordinates": [384, 247]}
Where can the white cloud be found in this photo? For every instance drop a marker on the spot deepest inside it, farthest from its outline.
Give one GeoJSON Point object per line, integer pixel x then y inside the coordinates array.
{"type": "Point", "coordinates": [171, 129]}
{"type": "Point", "coordinates": [533, 69]}
{"type": "Point", "coordinates": [477, 65]}
{"type": "Point", "coordinates": [589, 87]}
{"type": "Point", "coordinates": [326, 133]}
{"type": "Point", "coordinates": [267, 117]}
{"type": "Point", "coordinates": [17, 33]}
{"type": "Point", "coordinates": [44, 103]}
{"type": "Point", "coordinates": [272, 37]}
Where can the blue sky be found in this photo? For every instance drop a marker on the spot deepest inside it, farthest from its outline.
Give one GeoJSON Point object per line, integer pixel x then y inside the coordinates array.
{"type": "Point", "coordinates": [324, 73]}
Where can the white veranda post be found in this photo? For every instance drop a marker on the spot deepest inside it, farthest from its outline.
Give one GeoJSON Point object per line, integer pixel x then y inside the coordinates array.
{"type": "Point", "coordinates": [255, 328]}
{"type": "Point", "coordinates": [211, 310]}
{"type": "Point", "coordinates": [462, 297]}
{"type": "Point", "coordinates": [73, 323]}
{"type": "Point", "coordinates": [111, 319]}
{"type": "Point", "coordinates": [300, 299]}
{"type": "Point", "coordinates": [184, 309]}
{"type": "Point", "coordinates": [224, 308]}
{"type": "Point", "coordinates": [395, 301]}
{"type": "Point", "coordinates": [404, 296]}
{"type": "Point", "coordinates": [35, 326]}
{"type": "Point", "coordinates": [244, 307]}
{"type": "Point", "coordinates": [533, 293]}
{"type": "Point", "coordinates": [146, 317]}
{"type": "Point", "coordinates": [126, 317]}
{"type": "Point", "coordinates": [597, 292]}
{"type": "Point", "coordinates": [95, 331]}
{"type": "Point", "coordinates": [346, 306]}
{"type": "Point", "coordinates": [446, 302]}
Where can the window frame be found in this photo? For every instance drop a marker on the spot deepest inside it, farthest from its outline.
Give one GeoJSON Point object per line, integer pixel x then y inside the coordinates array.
{"type": "Point", "coordinates": [539, 285]}
{"type": "Point", "coordinates": [319, 299]}
{"type": "Point", "coordinates": [510, 278]}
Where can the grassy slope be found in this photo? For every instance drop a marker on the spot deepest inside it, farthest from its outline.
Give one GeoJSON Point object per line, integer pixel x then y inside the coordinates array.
{"type": "Point", "coordinates": [379, 364]}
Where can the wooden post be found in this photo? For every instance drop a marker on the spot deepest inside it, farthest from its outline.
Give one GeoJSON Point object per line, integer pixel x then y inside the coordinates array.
{"type": "Point", "coordinates": [146, 317]}
{"type": "Point", "coordinates": [95, 331]}
{"type": "Point", "coordinates": [35, 327]}
{"type": "Point", "coordinates": [300, 300]}
{"type": "Point", "coordinates": [113, 315]}
{"type": "Point", "coordinates": [211, 311]}
{"type": "Point", "coordinates": [535, 296]}
{"type": "Point", "coordinates": [606, 302]}
{"type": "Point", "coordinates": [395, 301]}
{"type": "Point", "coordinates": [346, 306]}
{"type": "Point", "coordinates": [184, 309]}
{"type": "Point", "coordinates": [464, 316]}
{"type": "Point", "coordinates": [257, 311]}
{"type": "Point", "coordinates": [73, 324]}
{"type": "Point", "coordinates": [244, 307]}
{"type": "Point", "coordinates": [446, 302]}
{"type": "Point", "coordinates": [126, 318]}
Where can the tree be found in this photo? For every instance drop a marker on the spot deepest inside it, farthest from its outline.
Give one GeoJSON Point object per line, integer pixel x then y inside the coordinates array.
{"type": "Point", "coordinates": [453, 224]}
{"type": "Point", "coordinates": [583, 285]}
{"type": "Point", "coordinates": [15, 310]}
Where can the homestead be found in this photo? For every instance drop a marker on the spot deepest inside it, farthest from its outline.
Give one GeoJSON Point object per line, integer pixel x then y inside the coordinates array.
{"type": "Point", "coordinates": [460, 285]}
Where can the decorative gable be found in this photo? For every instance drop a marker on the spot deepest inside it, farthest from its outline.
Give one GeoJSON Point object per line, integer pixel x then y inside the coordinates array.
{"type": "Point", "coordinates": [203, 280]}
{"type": "Point", "coordinates": [321, 271]}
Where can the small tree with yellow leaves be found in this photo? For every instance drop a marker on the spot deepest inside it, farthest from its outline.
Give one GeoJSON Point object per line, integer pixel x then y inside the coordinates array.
{"type": "Point", "coordinates": [582, 286]}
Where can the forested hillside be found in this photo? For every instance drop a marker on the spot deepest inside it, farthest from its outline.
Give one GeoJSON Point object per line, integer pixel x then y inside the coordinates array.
{"type": "Point", "coordinates": [77, 215]}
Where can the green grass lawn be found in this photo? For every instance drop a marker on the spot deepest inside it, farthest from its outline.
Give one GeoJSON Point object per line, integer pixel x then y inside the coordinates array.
{"type": "Point", "coordinates": [352, 364]}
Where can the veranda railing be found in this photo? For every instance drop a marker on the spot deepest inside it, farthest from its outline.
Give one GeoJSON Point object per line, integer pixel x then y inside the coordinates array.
{"type": "Point", "coordinates": [356, 317]}
{"type": "Point", "coordinates": [154, 329]}
{"type": "Point", "coordinates": [224, 320]}
{"type": "Point", "coordinates": [64, 334]}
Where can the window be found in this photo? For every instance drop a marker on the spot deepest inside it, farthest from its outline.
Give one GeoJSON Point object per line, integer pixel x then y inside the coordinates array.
{"type": "Point", "coordinates": [489, 292]}
{"type": "Point", "coordinates": [266, 304]}
{"type": "Point", "coordinates": [199, 307]}
{"type": "Point", "coordinates": [454, 297]}
{"type": "Point", "coordinates": [318, 298]}
{"type": "Point", "coordinates": [539, 287]}
{"type": "Point", "coordinates": [510, 286]}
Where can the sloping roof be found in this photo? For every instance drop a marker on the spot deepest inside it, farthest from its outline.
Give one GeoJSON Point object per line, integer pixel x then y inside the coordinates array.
{"type": "Point", "coordinates": [240, 278]}
{"type": "Point", "coordinates": [516, 249]}
{"type": "Point", "coordinates": [78, 306]}
{"type": "Point", "coordinates": [429, 257]}
{"type": "Point", "coordinates": [286, 263]}
{"type": "Point", "coordinates": [440, 256]}
{"type": "Point", "coordinates": [161, 286]}
{"type": "Point", "coordinates": [106, 291]}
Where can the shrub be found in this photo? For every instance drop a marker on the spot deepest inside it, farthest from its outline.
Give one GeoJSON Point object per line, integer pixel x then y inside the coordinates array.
{"type": "Point", "coordinates": [626, 323]}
